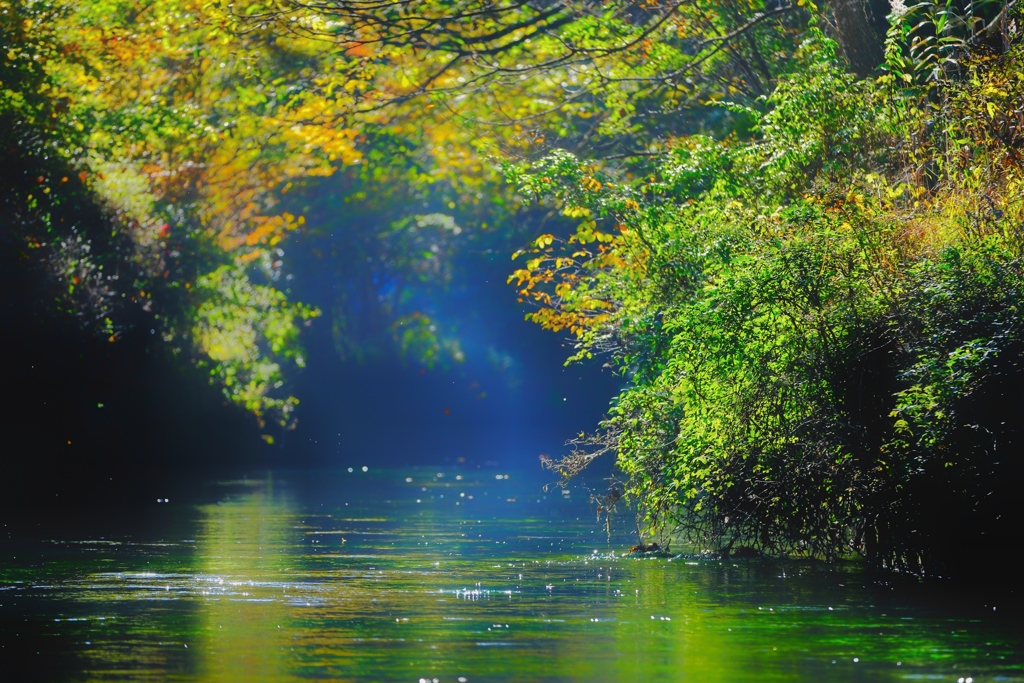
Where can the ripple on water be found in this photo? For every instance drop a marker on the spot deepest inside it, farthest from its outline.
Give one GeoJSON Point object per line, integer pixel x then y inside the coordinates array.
{"type": "Point", "coordinates": [440, 587]}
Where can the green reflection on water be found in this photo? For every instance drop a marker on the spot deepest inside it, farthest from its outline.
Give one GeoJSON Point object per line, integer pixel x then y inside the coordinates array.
{"type": "Point", "coordinates": [347, 577]}
{"type": "Point", "coordinates": [245, 547]}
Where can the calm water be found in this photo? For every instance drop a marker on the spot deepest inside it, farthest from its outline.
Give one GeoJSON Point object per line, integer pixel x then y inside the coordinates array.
{"type": "Point", "coordinates": [455, 575]}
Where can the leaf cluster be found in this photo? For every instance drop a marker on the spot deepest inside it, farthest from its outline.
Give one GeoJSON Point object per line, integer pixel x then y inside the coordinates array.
{"type": "Point", "coordinates": [817, 339]}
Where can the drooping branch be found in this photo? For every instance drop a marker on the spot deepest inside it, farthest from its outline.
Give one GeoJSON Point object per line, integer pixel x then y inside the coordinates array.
{"type": "Point", "coordinates": [487, 36]}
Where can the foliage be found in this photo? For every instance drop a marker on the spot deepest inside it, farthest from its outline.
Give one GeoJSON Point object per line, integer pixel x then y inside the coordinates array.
{"type": "Point", "coordinates": [822, 339]}
{"type": "Point", "coordinates": [499, 78]}
{"type": "Point", "coordinates": [202, 130]}
{"type": "Point", "coordinates": [620, 74]}
{"type": "Point", "coordinates": [247, 330]}
{"type": "Point", "coordinates": [927, 40]}
{"type": "Point", "coordinates": [190, 136]}
{"type": "Point", "coordinates": [135, 118]}
{"type": "Point", "coordinates": [810, 279]}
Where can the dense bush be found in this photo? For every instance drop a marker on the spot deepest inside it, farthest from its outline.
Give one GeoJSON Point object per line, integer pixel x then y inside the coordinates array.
{"type": "Point", "coordinates": [821, 324]}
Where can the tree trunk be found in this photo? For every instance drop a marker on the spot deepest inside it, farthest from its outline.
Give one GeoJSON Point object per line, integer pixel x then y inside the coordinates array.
{"type": "Point", "coordinates": [860, 27]}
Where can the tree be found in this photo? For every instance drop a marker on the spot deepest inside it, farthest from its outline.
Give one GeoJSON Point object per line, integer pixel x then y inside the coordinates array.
{"type": "Point", "coordinates": [816, 320]}
{"type": "Point", "coordinates": [190, 123]}
{"type": "Point", "coordinates": [614, 76]}
{"type": "Point", "coordinates": [156, 118]}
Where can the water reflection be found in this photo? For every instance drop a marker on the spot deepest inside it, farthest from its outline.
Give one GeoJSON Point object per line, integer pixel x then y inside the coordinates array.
{"type": "Point", "coordinates": [400, 576]}
{"type": "Point", "coordinates": [246, 545]}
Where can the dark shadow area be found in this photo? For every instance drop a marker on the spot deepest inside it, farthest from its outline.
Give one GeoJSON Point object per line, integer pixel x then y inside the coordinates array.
{"type": "Point", "coordinates": [88, 421]}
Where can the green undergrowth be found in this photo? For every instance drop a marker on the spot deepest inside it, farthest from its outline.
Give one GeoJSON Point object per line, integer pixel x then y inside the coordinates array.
{"type": "Point", "coordinates": [821, 324]}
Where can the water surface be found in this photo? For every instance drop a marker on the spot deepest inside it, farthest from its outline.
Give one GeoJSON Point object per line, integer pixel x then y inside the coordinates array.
{"type": "Point", "coordinates": [455, 575]}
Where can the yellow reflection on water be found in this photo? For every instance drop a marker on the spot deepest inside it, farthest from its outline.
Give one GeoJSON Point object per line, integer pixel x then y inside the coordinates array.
{"type": "Point", "coordinates": [246, 547]}
{"type": "Point", "coordinates": [278, 595]}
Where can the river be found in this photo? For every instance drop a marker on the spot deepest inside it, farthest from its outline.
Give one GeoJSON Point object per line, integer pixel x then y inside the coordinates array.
{"type": "Point", "coordinates": [454, 574]}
